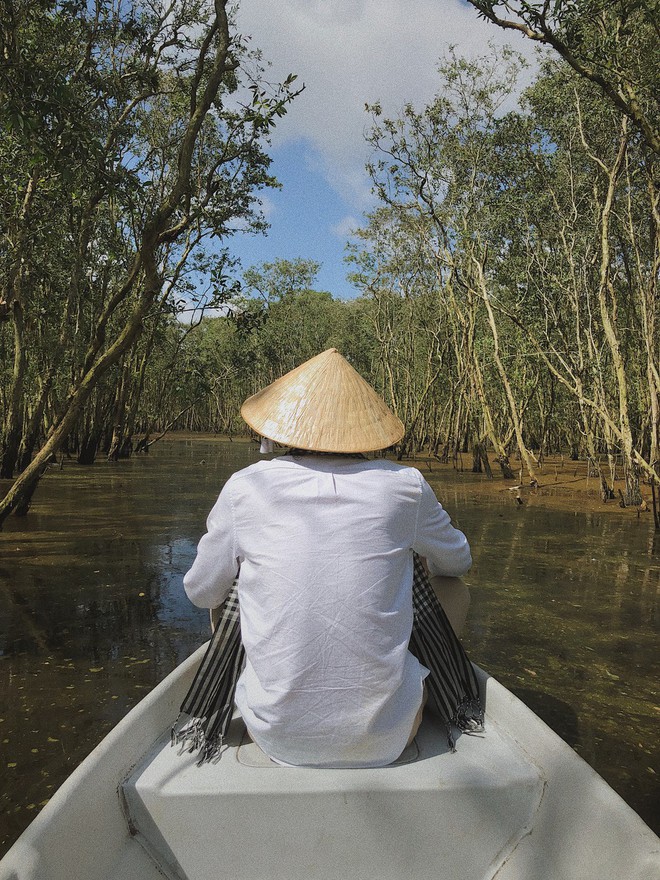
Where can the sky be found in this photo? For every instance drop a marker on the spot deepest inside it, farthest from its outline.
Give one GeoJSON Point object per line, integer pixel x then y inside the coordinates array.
{"type": "Point", "coordinates": [347, 53]}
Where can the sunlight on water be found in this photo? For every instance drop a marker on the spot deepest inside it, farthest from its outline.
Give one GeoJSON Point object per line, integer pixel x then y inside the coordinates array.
{"type": "Point", "coordinates": [93, 614]}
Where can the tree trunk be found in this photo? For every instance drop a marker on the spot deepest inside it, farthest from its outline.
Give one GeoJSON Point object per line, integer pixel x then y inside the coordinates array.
{"type": "Point", "coordinates": [119, 414]}
{"type": "Point", "coordinates": [13, 422]}
{"type": "Point", "coordinates": [155, 233]}
{"type": "Point", "coordinates": [605, 292]}
{"type": "Point", "coordinates": [34, 425]}
{"type": "Point", "coordinates": [633, 496]}
{"type": "Point", "coordinates": [20, 494]}
{"type": "Point", "coordinates": [13, 432]}
{"type": "Point", "coordinates": [513, 407]}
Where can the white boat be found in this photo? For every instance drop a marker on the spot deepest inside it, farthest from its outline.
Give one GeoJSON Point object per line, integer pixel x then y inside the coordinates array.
{"type": "Point", "coordinates": [513, 804]}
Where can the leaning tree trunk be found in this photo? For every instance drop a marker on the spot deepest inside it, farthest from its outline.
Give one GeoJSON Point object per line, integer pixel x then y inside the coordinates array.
{"type": "Point", "coordinates": [157, 231]}
{"type": "Point", "coordinates": [13, 422]}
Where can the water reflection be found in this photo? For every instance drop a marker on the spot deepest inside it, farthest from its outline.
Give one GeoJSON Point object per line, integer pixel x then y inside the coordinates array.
{"type": "Point", "coordinates": [93, 615]}
{"type": "Point", "coordinates": [565, 615]}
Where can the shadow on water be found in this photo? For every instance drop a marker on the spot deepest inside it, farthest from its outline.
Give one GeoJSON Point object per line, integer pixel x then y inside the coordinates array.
{"type": "Point", "coordinates": [92, 614]}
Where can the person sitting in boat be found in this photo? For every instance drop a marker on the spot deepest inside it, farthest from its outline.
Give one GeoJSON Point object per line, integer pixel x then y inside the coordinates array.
{"type": "Point", "coordinates": [321, 541]}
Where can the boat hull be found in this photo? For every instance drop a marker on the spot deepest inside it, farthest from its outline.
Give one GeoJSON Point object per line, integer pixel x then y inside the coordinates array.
{"type": "Point", "coordinates": [82, 832]}
{"type": "Point", "coordinates": [514, 804]}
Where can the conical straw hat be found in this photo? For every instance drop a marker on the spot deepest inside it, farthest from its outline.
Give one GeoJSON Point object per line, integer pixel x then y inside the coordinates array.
{"type": "Point", "coordinates": [323, 405]}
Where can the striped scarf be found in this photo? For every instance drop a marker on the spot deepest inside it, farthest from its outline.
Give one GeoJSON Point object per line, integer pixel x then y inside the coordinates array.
{"type": "Point", "coordinates": [207, 709]}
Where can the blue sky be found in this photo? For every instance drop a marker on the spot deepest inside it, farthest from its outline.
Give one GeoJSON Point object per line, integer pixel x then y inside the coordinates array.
{"type": "Point", "coordinates": [307, 219]}
{"type": "Point", "coordinates": [347, 53]}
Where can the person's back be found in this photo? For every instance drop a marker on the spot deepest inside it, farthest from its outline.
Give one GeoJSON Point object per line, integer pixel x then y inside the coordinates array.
{"type": "Point", "coordinates": [324, 546]}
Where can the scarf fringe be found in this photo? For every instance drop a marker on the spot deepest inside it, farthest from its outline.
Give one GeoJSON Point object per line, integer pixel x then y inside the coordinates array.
{"type": "Point", "coordinates": [190, 734]}
{"type": "Point", "coordinates": [468, 718]}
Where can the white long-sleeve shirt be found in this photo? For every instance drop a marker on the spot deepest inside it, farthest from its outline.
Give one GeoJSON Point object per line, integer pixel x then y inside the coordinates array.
{"type": "Point", "coordinates": [322, 547]}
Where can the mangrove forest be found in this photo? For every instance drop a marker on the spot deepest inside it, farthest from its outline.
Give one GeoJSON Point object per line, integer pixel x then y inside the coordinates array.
{"type": "Point", "coordinates": [506, 276]}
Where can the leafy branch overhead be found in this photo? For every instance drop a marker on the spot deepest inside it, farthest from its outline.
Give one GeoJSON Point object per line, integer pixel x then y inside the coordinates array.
{"type": "Point", "coordinates": [612, 43]}
{"type": "Point", "coordinates": [126, 156]}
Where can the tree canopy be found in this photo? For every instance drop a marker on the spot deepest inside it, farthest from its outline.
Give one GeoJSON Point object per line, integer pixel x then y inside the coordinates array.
{"type": "Point", "coordinates": [133, 141]}
{"type": "Point", "coordinates": [612, 43]}
{"type": "Point", "coordinates": [507, 272]}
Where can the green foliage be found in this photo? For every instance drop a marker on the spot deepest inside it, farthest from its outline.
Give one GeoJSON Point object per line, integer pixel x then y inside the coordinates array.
{"type": "Point", "coordinates": [506, 301]}
{"type": "Point", "coordinates": [279, 321]}
{"type": "Point", "coordinates": [115, 193]}
{"type": "Point", "coordinates": [515, 242]}
{"type": "Point", "coordinates": [508, 272]}
{"type": "Point", "coordinates": [611, 43]}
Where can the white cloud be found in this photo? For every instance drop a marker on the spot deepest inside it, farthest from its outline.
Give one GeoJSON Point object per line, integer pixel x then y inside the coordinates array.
{"type": "Point", "coordinates": [346, 227]}
{"type": "Point", "coordinates": [267, 206]}
{"type": "Point", "coordinates": [348, 52]}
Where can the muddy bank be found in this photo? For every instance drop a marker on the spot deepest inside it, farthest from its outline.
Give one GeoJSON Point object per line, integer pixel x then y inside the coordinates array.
{"type": "Point", "coordinates": [562, 484]}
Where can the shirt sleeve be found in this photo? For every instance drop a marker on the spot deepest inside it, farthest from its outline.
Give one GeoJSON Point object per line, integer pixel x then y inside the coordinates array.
{"type": "Point", "coordinates": [216, 565]}
{"type": "Point", "coordinates": [445, 548]}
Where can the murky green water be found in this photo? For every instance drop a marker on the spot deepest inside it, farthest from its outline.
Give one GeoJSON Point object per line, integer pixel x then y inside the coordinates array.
{"type": "Point", "coordinates": [92, 615]}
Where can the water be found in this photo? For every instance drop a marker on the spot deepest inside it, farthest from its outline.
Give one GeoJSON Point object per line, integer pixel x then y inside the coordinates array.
{"type": "Point", "coordinates": [92, 614]}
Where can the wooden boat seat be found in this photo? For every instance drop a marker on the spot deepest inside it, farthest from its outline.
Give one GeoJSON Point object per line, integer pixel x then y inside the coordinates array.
{"type": "Point", "coordinates": [246, 818]}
